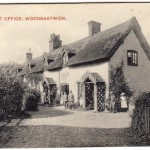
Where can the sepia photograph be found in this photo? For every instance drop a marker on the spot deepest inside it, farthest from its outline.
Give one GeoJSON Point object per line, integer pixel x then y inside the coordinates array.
{"type": "Point", "coordinates": [74, 75]}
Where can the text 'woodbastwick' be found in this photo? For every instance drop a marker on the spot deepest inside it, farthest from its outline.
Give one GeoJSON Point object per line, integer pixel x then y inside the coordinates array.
{"type": "Point", "coordinates": [33, 18]}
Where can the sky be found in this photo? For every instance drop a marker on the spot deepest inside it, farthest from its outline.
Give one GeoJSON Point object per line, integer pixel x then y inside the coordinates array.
{"type": "Point", "coordinates": [16, 37]}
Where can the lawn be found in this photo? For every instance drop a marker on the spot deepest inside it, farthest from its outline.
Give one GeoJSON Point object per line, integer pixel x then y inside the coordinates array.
{"type": "Point", "coordinates": [55, 127]}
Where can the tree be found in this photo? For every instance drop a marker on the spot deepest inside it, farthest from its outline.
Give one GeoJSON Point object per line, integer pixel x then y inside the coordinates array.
{"type": "Point", "coordinates": [118, 83]}
{"type": "Point", "coordinates": [11, 90]}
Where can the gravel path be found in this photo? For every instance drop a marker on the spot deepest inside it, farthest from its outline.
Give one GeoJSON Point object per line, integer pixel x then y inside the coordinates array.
{"type": "Point", "coordinates": [55, 127]}
{"type": "Point", "coordinates": [89, 119]}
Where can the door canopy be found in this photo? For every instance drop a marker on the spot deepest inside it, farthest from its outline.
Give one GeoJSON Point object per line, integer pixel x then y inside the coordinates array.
{"type": "Point", "coordinates": [49, 81]}
{"type": "Point", "coordinates": [94, 77]}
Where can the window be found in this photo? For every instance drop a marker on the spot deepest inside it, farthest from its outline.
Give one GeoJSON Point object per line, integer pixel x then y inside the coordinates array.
{"type": "Point", "coordinates": [49, 61]}
{"type": "Point", "coordinates": [132, 58]}
{"type": "Point", "coordinates": [32, 66]}
{"type": "Point", "coordinates": [19, 70]}
{"type": "Point", "coordinates": [71, 55]}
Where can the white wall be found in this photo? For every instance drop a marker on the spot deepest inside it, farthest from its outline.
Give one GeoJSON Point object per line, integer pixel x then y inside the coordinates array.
{"type": "Point", "coordinates": [138, 77]}
{"type": "Point", "coordinates": [73, 74]}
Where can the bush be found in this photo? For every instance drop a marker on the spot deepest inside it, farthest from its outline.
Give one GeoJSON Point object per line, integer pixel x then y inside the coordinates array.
{"type": "Point", "coordinates": [11, 92]}
{"type": "Point", "coordinates": [138, 122]}
{"type": "Point", "coordinates": [118, 83]}
{"type": "Point", "coordinates": [31, 99]}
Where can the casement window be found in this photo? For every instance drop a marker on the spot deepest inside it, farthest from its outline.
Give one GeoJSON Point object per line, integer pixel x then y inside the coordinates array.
{"type": "Point", "coordinates": [49, 61]}
{"type": "Point", "coordinates": [132, 57]}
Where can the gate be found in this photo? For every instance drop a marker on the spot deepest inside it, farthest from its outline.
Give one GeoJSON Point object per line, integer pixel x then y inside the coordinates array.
{"type": "Point", "coordinates": [101, 96]}
{"type": "Point", "coordinates": [89, 95]}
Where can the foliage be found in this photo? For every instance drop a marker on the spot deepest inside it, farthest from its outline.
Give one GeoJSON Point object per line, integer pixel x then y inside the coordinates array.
{"type": "Point", "coordinates": [138, 116]}
{"type": "Point", "coordinates": [11, 91]}
{"type": "Point", "coordinates": [31, 99]}
{"type": "Point", "coordinates": [118, 83]}
{"type": "Point", "coordinates": [36, 77]}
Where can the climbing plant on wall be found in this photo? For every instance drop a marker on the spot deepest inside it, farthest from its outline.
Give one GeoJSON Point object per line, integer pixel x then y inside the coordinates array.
{"type": "Point", "coordinates": [118, 83]}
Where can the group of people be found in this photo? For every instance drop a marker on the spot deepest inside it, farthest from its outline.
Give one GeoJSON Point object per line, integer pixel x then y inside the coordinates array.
{"type": "Point", "coordinates": [68, 100]}
{"type": "Point", "coordinates": [122, 103]}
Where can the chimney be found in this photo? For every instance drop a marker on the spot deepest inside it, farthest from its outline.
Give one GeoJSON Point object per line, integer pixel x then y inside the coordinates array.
{"type": "Point", "coordinates": [94, 27]}
{"type": "Point", "coordinates": [55, 42]}
{"type": "Point", "coordinates": [29, 55]}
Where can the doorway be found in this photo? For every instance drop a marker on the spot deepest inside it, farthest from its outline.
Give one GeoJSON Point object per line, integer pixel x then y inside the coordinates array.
{"type": "Point", "coordinates": [65, 88]}
{"type": "Point", "coordinates": [89, 94]}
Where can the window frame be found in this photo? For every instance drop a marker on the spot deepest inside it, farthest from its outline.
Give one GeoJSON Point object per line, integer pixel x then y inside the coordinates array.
{"type": "Point", "coordinates": [134, 57]}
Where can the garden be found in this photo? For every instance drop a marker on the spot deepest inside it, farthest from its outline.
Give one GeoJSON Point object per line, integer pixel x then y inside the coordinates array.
{"type": "Point", "coordinates": [15, 95]}
{"type": "Point", "coordinates": [17, 99]}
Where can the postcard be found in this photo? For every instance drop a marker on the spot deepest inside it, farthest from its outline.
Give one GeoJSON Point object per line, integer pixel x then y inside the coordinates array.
{"type": "Point", "coordinates": [74, 75]}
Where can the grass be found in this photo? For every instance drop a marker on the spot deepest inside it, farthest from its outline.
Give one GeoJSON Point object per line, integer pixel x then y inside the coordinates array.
{"type": "Point", "coordinates": [74, 129]}
{"type": "Point", "coordinates": [61, 136]}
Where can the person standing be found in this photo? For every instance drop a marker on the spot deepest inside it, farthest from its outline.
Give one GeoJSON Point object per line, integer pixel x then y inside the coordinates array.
{"type": "Point", "coordinates": [112, 102]}
{"type": "Point", "coordinates": [123, 100]}
{"type": "Point", "coordinates": [65, 100]}
{"type": "Point", "coordinates": [71, 99]}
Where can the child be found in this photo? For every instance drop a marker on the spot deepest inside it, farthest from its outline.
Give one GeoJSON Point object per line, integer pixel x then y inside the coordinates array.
{"type": "Point", "coordinates": [123, 101]}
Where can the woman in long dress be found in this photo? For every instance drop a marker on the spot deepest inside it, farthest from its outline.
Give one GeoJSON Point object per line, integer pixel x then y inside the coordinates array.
{"type": "Point", "coordinates": [123, 100]}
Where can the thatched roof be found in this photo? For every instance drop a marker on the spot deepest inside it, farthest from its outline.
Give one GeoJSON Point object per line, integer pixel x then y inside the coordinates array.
{"type": "Point", "coordinates": [39, 67]}
{"type": "Point", "coordinates": [97, 48]}
{"type": "Point", "coordinates": [56, 64]}
{"type": "Point", "coordinates": [26, 69]}
{"type": "Point", "coordinates": [101, 46]}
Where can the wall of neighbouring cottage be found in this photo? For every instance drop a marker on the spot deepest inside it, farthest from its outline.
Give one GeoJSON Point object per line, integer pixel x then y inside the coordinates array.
{"type": "Point", "coordinates": [138, 77]}
{"type": "Point", "coordinates": [72, 75]}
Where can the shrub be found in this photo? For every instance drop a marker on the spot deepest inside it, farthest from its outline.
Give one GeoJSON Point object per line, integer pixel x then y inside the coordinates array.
{"type": "Point", "coordinates": [11, 92]}
{"type": "Point", "coordinates": [31, 99]}
{"type": "Point", "coordinates": [118, 83]}
{"type": "Point", "coordinates": [138, 116]}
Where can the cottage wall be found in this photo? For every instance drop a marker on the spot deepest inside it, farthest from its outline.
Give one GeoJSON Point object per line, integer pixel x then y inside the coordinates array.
{"type": "Point", "coordinates": [72, 75]}
{"type": "Point", "coordinates": [138, 77]}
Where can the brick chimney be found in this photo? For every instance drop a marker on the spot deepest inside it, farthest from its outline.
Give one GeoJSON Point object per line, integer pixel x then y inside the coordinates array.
{"type": "Point", "coordinates": [29, 55]}
{"type": "Point", "coordinates": [54, 42]}
{"type": "Point", "coordinates": [94, 27]}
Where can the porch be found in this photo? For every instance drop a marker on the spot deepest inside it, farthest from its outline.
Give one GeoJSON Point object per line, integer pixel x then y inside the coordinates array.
{"type": "Point", "coordinates": [91, 91]}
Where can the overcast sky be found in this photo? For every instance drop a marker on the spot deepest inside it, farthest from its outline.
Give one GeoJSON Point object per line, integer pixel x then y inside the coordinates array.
{"type": "Point", "coordinates": [16, 37]}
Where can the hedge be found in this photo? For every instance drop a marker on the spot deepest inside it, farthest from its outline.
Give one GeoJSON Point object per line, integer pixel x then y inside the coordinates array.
{"type": "Point", "coordinates": [30, 100]}
{"type": "Point", "coordinates": [138, 116]}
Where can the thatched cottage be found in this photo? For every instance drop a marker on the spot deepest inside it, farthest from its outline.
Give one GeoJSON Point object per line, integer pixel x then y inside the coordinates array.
{"type": "Point", "coordinates": [83, 66]}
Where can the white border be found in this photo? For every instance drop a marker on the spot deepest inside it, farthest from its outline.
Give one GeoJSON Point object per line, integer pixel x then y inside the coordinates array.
{"type": "Point", "coordinates": [72, 1]}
